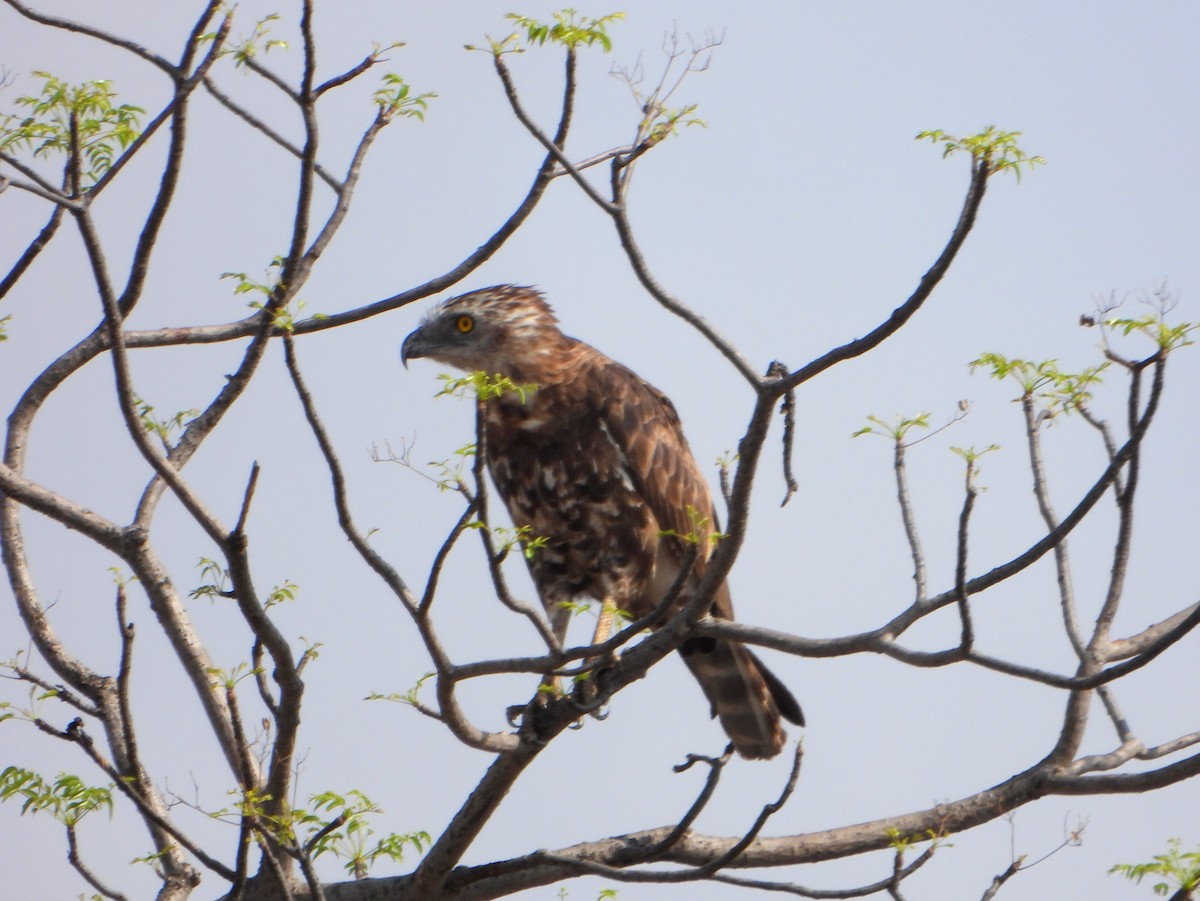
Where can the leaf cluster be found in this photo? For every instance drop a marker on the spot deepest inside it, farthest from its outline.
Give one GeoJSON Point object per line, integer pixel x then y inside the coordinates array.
{"type": "Point", "coordinates": [510, 538]}
{"type": "Point", "coordinates": [30, 714]}
{"type": "Point", "coordinates": [229, 677]}
{"type": "Point", "coordinates": [246, 48]}
{"type": "Point", "coordinates": [568, 29]}
{"type": "Point", "coordinates": [901, 842]}
{"type": "Point", "coordinates": [663, 122]}
{"type": "Point", "coordinates": [283, 318]}
{"type": "Point", "coordinates": [282, 593]}
{"type": "Point", "coordinates": [1167, 336]}
{"type": "Point", "coordinates": [216, 580]}
{"type": "Point", "coordinates": [700, 525]}
{"type": "Point", "coordinates": [998, 150]}
{"type": "Point", "coordinates": [395, 99]}
{"type": "Point", "coordinates": [267, 287]}
{"type": "Point", "coordinates": [576, 608]}
{"type": "Point", "coordinates": [351, 841]}
{"type": "Point", "coordinates": [217, 585]}
{"type": "Point", "coordinates": [896, 430]}
{"type": "Point", "coordinates": [64, 118]}
{"type": "Point", "coordinates": [484, 386]}
{"type": "Point", "coordinates": [1179, 869]}
{"type": "Point", "coordinates": [410, 697]}
{"type": "Point", "coordinates": [67, 799]}
{"type": "Point", "coordinates": [335, 824]}
{"type": "Point", "coordinates": [972, 454]}
{"type": "Point", "coordinates": [1060, 391]}
{"type": "Point", "coordinates": [163, 428]}
{"type": "Point", "coordinates": [451, 476]}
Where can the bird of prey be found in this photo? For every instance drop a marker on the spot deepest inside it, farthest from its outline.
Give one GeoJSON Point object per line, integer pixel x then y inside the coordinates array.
{"type": "Point", "coordinates": [595, 464]}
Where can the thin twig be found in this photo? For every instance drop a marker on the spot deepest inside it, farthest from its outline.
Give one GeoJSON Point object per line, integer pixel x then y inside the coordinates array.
{"type": "Point", "coordinates": [1062, 567]}
{"type": "Point", "coordinates": [124, 669]}
{"type": "Point", "coordinates": [967, 639]}
{"type": "Point", "coordinates": [349, 75]}
{"type": "Point", "coordinates": [999, 880]}
{"type": "Point", "coordinates": [910, 523]}
{"type": "Point", "coordinates": [60, 692]}
{"type": "Point", "coordinates": [75, 733]}
{"type": "Point", "coordinates": [254, 122]}
{"type": "Point", "coordinates": [716, 766]}
{"type": "Point", "coordinates": [31, 252]}
{"type": "Point", "coordinates": [901, 315]}
{"type": "Point", "coordinates": [453, 715]}
{"type": "Point", "coordinates": [594, 652]}
{"type": "Point", "coordinates": [703, 871]}
{"type": "Point", "coordinates": [79, 28]}
{"type": "Point", "coordinates": [247, 497]}
{"type": "Point", "coordinates": [40, 186]}
{"type": "Point", "coordinates": [553, 148]}
{"type": "Point", "coordinates": [266, 74]}
{"type": "Point", "coordinates": [77, 862]}
{"type": "Point", "coordinates": [260, 678]}
{"type": "Point", "coordinates": [830, 894]}
{"type": "Point", "coordinates": [439, 560]}
{"type": "Point", "coordinates": [787, 409]}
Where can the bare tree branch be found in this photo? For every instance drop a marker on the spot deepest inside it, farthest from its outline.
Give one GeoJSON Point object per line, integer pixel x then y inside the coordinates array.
{"type": "Point", "coordinates": [89, 877]}
{"type": "Point", "coordinates": [66, 25]}
{"type": "Point", "coordinates": [980, 172]}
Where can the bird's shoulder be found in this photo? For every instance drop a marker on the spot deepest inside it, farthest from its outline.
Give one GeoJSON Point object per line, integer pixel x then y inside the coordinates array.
{"type": "Point", "coordinates": [620, 395]}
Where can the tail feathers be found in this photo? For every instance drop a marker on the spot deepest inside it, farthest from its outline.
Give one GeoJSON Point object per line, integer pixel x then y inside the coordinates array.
{"type": "Point", "coordinates": [788, 706]}
{"type": "Point", "coordinates": [748, 698]}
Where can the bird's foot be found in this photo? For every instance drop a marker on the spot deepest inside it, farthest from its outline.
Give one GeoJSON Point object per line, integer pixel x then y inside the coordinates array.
{"type": "Point", "coordinates": [588, 696]}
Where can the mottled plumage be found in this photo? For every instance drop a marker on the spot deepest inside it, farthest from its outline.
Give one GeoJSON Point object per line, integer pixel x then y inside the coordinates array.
{"type": "Point", "coordinates": [595, 462]}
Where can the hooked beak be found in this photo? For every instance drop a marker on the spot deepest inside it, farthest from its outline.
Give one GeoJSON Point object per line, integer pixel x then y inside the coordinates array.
{"type": "Point", "coordinates": [413, 347]}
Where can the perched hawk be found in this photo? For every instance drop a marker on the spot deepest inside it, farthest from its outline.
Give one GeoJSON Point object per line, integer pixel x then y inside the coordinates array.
{"type": "Point", "coordinates": [594, 461]}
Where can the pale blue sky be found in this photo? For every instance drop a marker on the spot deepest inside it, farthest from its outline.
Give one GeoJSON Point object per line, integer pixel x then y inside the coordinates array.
{"type": "Point", "coordinates": [797, 219]}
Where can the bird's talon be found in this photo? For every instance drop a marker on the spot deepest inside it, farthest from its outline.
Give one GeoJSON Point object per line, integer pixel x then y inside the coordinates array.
{"type": "Point", "coordinates": [514, 714]}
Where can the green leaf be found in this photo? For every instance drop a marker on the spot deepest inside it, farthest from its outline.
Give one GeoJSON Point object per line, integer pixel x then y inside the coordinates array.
{"type": "Point", "coordinates": [1167, 336]}
{"type": "Point", "coordinates": [282, 593]}
{"type": "Point", "coordinates": [68, 799]}
{"type": "Point", "coordinates": [395, 99]}
{"type": "Point", "coordinates": [101, 127]}
{"type": "Point", "coordinates": [483, 386]}
{"type": "Point", "coordinates": [568, 29]}
{"type": "Point", "coordinates": [971, 455]}
{"type": "Point", "coordinates": [351, 840]}
{"type": "Point", "coordinates": [244, 49]}
{"type": "Point", "coordinates": [998, 150]}
{"type": "Point", "coordinates": [1181, 869]}
{"type": "Point", "coordinates": [1058, 391]}
{"type": "Point", "coordinates": [896, 430]}
{"type": "Point", "coordinates": [407, 697]}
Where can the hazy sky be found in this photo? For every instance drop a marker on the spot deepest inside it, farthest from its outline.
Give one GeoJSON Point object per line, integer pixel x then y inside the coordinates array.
{"type": "Point", "coordinates": [796, 219]}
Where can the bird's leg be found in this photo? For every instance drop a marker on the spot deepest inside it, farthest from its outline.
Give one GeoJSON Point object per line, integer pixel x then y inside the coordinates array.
{"type": "Point", "coordinates": [604, 622]}
{"type": "Point", "coordinates": [551, 686]}
{"type": "Point", "coordinates": [586, 688]}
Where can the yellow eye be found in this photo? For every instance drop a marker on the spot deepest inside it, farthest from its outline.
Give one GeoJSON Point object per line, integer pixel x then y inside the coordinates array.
{"type": "Point", "coordinates": [464, 324]}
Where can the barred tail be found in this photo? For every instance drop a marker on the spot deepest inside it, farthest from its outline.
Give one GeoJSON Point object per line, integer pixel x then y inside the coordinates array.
{"type": "Point", "coordinates": [749, 699]}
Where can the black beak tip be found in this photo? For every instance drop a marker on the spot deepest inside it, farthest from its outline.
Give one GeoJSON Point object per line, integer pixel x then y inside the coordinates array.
{"type": "Point", "coordinates": [408, 350]}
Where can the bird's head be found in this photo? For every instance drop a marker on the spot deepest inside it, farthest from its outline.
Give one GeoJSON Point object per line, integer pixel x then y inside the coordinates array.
{"type": "Point", "coordinates": [504, 329]}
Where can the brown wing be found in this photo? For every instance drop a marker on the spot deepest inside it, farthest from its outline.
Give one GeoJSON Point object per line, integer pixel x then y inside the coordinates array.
{"type": "Point", "coordinates": [644, 424]}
